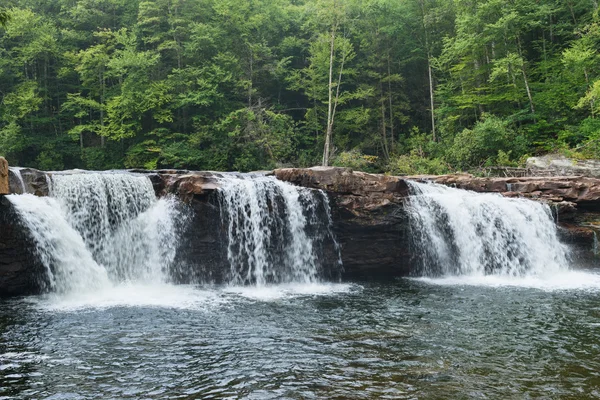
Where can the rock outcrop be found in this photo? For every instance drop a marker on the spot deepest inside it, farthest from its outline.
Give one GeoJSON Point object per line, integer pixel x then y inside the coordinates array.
{"type": "Point", "coordinates": [4, 186]}
{"type": "Point", "coordinates": [558, 165]}
{"type": "Point", "coordinates": [585, 192]}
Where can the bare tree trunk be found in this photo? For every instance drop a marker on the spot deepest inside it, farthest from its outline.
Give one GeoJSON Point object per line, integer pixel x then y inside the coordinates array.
{"type": "Point", "coordinates": [431, 98]}
{"type": "Point", "coordinates": [570, 4]}
{"type": "Point", "coordinates": [592, 102]}
{"type": "Point", "coordinates": [384, 139]}
{"type": "Point", "coordinates": [386, 152]}
{"type": "Point", "coordinates": [478, 83]}
{"type": "Point", "coordinates": [390, 102]}
{"type": "Point", "coordinates": [102, 138]}
{"type": "Point", "coordinates": [329, 130]}
{"type": "Point", "coordinates": [525, 80]}
{"type": "Point", "coordinates": [251, 72]}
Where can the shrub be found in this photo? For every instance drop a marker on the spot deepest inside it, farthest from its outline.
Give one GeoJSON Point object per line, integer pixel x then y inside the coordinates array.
{"type": "Point", "coordinates": [356, 160]}
{"type": "Point", "coordinates": [490, 141]}
{"type": "Point", "coordinates": [415, 164]}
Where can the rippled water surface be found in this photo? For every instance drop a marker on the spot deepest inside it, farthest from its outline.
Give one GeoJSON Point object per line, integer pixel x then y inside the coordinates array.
{"type": "Point", "coordinates": [406, 339]}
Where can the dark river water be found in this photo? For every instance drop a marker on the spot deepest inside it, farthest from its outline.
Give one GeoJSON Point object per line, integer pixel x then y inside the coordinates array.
{"type": "Point", "coordinates": [407, 339]}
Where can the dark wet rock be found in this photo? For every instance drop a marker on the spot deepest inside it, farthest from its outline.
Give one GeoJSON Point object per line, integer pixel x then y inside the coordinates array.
{"type": "Point", "coordinates": [575, 189]}
{"type": "Point", "coordinates": [368, 218]}
{"type": "Point", "coordinates": [29, 180]}
{"type": "Point", "coordinates": [188, 185]}
{"type": "Point", "coordinates": [20, 271]}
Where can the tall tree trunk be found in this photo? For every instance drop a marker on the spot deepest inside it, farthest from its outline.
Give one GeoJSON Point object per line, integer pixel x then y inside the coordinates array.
{"type": "Point", "coordinates": [390, 102]}
{"type": "Point", "coordinates": [592, 102]}
{"type": "Point", "coordinates": [102, 85]}
{"type": "Point", "coordinates": [570, 4]}
{"type": "Point", "coordinates": [326, 150]}
{"type": "Point", "coordinates": [431, 99]}
{"type": "Point", "coordinates": [429, 72]}
{"type": "Point", "coordinates": [250, 74]}
{"type": "Point", "coordinates": [525, 80]}
{"type": "Point", "coordinates": [384, 142]}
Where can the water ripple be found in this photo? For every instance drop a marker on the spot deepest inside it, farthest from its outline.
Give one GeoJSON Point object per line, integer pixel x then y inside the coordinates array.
{"type": "Point", "coordinates": [404, 340]}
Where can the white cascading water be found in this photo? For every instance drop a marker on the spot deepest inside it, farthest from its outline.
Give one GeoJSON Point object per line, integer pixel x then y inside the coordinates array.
{"type": "Point", "coordinates": [17, 173]}
{"type": "Point", "coordinates": [97, 230]}
{"type": "Point", "coordinates": [459, 232]}
{"type": "Point", "coordinates": [274, 230]}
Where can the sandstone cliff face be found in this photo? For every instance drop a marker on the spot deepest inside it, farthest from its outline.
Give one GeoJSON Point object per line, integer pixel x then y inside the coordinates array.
{"type": "Point", "coordinates": [585, 192]}
{"type": "Point", "coordinates": [4, 189]}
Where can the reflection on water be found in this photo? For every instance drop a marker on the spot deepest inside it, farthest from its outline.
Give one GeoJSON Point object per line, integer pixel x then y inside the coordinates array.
{"type": "Point", "coordinates": [407, 339]}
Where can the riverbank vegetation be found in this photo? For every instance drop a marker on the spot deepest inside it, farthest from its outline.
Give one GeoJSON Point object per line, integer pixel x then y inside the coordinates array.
{"type": "Point", "coordinates": [400, 86]}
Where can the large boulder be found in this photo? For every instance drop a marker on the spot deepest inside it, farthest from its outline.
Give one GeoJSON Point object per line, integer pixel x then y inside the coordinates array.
{"type": "Point", "coordinates": [187, 185]}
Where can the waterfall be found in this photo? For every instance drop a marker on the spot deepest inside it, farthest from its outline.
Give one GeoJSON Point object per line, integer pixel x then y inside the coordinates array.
{"type": "Point", "coordinates": [459, 232]}
{"type": "Point", "coordinates": [276, 231]}
{"type": "Point", "coordinates": [16, 171]}
{"type": "Point", "coordinates": [97, 230]}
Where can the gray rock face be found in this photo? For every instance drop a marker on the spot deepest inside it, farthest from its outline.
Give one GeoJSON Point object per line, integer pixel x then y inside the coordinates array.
{"type": "Point", "coordinates": [558, 165]}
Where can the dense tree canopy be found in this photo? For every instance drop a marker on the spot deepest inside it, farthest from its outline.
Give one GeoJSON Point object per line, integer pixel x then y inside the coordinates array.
{"type": "Point", "coordinates": [402, 86]}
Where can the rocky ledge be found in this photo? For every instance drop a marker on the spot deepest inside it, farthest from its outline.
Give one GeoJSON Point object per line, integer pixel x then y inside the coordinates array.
{"type": "Point", "coordinates": [374, 202]}
{"type": "Point", "coordinates": [367, 209]}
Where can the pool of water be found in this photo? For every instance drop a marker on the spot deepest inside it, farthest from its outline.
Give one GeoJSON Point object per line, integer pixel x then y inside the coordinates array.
{"type": "Point", "coordinates": [407, 339]}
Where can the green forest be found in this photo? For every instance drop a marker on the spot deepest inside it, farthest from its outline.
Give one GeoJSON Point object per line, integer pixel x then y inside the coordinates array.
{"type": "Point", "coordinates": [398, 86]}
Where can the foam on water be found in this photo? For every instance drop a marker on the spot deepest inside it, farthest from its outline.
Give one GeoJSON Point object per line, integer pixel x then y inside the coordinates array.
{"type": "Point", "coordinates": [568, 280]}
{"type": "Point", "coordinates": [290, 290]}
{"type": "Point", "coordinates": [183, 297]}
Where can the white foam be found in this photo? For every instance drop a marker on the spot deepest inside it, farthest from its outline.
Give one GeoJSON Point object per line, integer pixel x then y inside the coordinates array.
{"type": "Point", "coordinates": [568, 280]}
{"type": "Point", "coordinates": [290, 290]}
{"type": "Point", "coordinates": [184, 297]}
{"type": "Point", "coordinates": [181, 297]}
